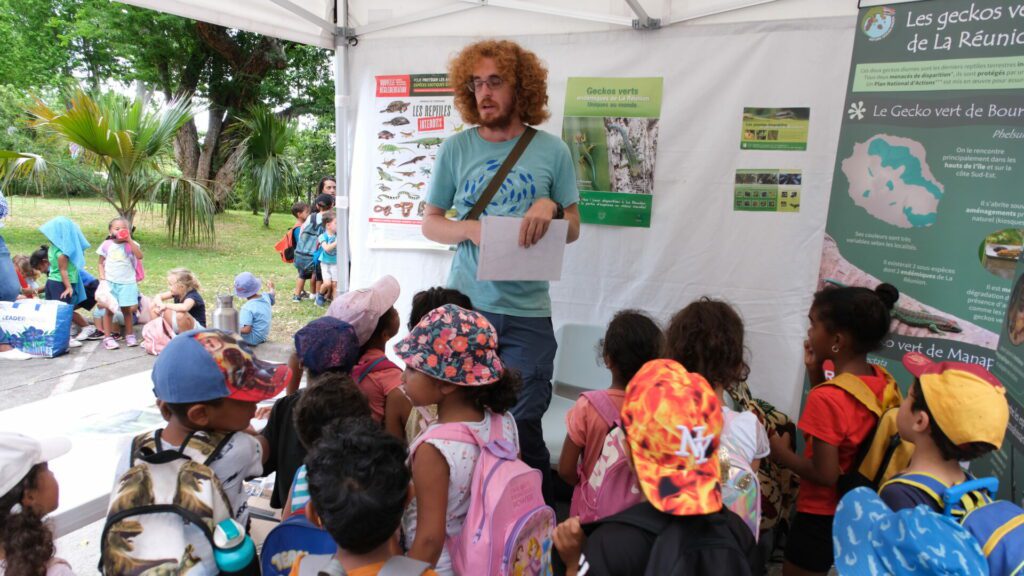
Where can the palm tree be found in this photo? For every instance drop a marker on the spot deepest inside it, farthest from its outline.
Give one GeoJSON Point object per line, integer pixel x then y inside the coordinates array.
{"type": "Point", "coordinates": [132, 147]}
{"type": "Point", "coordinates": [20, 165]}
{"type": "Point", "coordinates": [265, 167]}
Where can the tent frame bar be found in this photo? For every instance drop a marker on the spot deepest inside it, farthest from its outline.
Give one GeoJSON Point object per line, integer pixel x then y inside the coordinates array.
{"type": "Point", "coordinates": [306, 15]}
{"type": "Point", "coordinates": [643, 19]}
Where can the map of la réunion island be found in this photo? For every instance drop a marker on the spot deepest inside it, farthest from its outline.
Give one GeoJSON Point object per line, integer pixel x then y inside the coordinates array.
{"type": "Point", "coordinates": [890, 179]}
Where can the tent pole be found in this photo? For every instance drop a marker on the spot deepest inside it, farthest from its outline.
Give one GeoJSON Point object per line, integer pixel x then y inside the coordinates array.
{"type": "Point", "coordinates": [342, 166]}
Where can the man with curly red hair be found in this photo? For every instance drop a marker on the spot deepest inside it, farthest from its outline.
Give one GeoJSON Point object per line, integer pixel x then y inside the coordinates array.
{"type": "Point", "coordinates": [502, 89]}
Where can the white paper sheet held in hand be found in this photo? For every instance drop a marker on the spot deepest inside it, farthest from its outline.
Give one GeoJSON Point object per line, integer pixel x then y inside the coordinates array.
{"type": "Point", "coordinates": [501, 257]}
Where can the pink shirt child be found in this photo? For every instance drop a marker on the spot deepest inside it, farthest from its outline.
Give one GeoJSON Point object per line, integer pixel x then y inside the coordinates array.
{"type": "Point", "coordinates": [586, 428]}
{"type": "Point", "coordinates": [379, 382]}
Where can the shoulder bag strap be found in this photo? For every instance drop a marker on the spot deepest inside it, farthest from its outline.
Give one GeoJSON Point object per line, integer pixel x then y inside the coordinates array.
{"type": "Point", "coordinates": [499, 176]}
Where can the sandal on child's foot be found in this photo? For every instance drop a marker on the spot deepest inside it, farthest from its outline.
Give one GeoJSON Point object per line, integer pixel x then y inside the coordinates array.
{"type": "Point", "coordinates": [130, 341]}
{"type": "Point", "coordinates": [110, 343]}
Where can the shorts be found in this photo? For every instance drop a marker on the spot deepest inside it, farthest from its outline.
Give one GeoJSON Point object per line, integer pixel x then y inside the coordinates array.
{"type": "Point", "coordinates": [53, 290]}
{"type": "Point", "coordinates": [313, 273]}
{"type": "Point", "coordinates": [809, 544]}
{"type": "Point", "coordinates": [329, 272]}
{"type": "Point", "coordinates": [127, 295]}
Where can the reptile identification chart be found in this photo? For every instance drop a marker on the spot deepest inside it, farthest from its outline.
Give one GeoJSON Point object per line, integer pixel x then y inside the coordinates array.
{"type": "Point", "coordinates": [611, 127]}
{"type": "Point", "coordinates": [926, 186]}
{"type": "Point", "coordinates": [415, 114]}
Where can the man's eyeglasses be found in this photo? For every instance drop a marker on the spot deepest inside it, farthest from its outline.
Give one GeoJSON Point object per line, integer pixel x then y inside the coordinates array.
{"type": "Point", "coordinates": [494, 82]}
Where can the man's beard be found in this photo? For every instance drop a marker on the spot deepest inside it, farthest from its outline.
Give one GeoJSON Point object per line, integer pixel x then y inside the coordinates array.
{"type": "Point", "coordinates": [499, 122]}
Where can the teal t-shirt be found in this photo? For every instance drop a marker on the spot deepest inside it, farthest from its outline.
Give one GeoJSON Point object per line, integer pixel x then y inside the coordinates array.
{"type": "Point", "coordinates": [465, 165]}
{"type": "Point", "coordinates": [328, 256]}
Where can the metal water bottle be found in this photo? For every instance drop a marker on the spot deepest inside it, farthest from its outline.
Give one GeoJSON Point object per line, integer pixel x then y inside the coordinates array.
{"type": "Point", "coordinates": [225, 317]}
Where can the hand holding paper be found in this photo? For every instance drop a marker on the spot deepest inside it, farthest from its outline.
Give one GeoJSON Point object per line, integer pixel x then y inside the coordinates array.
{"type": "Point", "coordinates": [502, 258]}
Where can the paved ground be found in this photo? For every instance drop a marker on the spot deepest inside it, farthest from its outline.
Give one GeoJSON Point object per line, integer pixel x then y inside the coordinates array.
{"type": "Point", "coordinates": [33, 380]}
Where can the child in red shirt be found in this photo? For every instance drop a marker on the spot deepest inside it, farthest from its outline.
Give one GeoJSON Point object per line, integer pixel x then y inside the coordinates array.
{"type": "Point", "coordinates": [846, 324]}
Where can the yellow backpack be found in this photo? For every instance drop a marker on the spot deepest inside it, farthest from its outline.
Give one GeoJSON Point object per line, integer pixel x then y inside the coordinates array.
{"type": "Point", "coordinates": [882, 454]}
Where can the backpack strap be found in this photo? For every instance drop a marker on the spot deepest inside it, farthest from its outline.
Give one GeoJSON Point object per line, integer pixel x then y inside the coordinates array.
{"type": "Point", "coordinates": [856, 387]}
{"type": "Point", "coordinates": [403, 566]}
{"type": "Point", "coordinates": [454, 431]}
{"type": "Point", "coordinates": [605, 407]}
{"type": "Point", "coordinates": [371, 368]}
{"type": "Point", "coordinates": [926, 483]}
{"type": "Point", "coordinates": [219, 448]}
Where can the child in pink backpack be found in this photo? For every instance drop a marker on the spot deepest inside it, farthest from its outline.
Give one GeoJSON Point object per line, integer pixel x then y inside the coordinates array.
{"type": "Point", "coordinates": [451, 360]}
{"type": "Point", "coordinates": [594, 459]}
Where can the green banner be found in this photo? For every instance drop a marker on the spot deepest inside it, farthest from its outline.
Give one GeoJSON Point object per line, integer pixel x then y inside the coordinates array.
{"type": "Point", "coordinates": [926, 189]}
{"type": "Point", "coordinates": [775, 128]}
{"type": "Point", "coordinates": [611, 127]}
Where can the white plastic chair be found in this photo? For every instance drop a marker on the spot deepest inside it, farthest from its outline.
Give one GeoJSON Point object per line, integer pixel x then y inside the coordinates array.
{"type": "Point", "coordinates": [577, 369]}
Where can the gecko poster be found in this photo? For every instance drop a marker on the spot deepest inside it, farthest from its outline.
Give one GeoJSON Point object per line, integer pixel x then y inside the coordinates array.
{"type": "Point", "coordinates": [414, 114]}
{"type": "Point", "coordinates": [926, 185]}
{"type": "Point", "coordinates": [611, 128]}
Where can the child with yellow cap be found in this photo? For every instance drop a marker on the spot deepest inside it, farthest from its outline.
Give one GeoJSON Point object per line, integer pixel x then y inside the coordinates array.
{"type": "Point", "coordinates": [954, 412]}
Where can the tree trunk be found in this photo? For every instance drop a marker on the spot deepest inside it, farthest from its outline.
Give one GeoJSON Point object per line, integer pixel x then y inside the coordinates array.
{"type": "Point", "coordinates": [225, 179]}
{"type": "Point", "coordinates": [186, 150]}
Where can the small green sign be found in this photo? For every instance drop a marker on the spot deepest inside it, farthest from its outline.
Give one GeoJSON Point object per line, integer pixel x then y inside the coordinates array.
{"type": "Point", "coordinates": [775, 128]}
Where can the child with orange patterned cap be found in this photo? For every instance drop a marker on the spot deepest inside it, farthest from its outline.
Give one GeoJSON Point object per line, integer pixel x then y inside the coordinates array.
{"type": "Point", "coordinates": [673, 422]}
{"type": "Point", "coordinates": [954, 412]}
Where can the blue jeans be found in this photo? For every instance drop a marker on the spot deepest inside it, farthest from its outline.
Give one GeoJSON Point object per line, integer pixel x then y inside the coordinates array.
{"type": "Point", "coordinates": [528, 345]}
{"type": "Point", "coordinates": [9, 286]}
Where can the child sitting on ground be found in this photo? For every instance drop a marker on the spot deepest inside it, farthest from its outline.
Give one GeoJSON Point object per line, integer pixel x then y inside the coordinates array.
{"type": "Point", "coordinates": [207, 385]}
{"type": "Point", "coordinates": [186, 309]}
{"type": "Point", "coordinates": [28, 492]}
{"type": "Point", "coordinates": [632, 340]}
{"type": "Point", "coordinates": [846, 324]}
{"type": "Point", "coordinates": [333, 398]}
{"type": "Point", "coordinates": [119, 257]}
{"type": "Point", "coordinates": [706, 337]}
{"type": "Point", "coordinates": [358, 482]}
{"type": "Point", "coordinates": [400, 418]}
{"type": "Point", "coordinates": [255, 316]}
{"type": "Point", "coordinates": [371, 311]}
{"type": "Point", "coordinates": [451, 360]}
{"type": "Point", "coordinates": [27, 276]}
{"type": "Point", "coordinates": [324, 347]}
{"type": "Point", "coordinates": [954, 412]}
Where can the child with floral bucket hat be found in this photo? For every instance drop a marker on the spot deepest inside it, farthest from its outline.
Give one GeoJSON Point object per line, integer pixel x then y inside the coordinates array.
{"type": "Point", "coordinates": [451, 360]}
{"type": "Point", "coordinates": [673, 421]}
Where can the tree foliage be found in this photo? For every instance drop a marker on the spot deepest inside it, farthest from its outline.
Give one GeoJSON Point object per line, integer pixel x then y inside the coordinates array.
{"type": "Point", "coordinates": [51, 43]}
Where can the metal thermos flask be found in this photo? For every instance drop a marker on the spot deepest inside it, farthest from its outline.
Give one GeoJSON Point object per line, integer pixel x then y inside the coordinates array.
{"type": "Point", "coordinates": [225, 317]}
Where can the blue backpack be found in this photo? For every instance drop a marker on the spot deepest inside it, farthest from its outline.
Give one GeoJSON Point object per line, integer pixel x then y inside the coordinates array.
{"type": "Point", "coordinates": [290, 539]}
{"type": "Point", "coordinates": [997, 525]}
{"type": "Point", "coordinates": [306, 249]}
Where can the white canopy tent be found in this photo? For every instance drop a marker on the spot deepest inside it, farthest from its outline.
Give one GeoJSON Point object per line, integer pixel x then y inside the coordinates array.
{"type": "Point", "coordinates": [387, 31]}
{"type": "Point", "coordinates": [339, 24]}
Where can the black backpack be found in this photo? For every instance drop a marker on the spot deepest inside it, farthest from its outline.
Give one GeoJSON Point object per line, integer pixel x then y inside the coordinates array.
{"type": "Point", "coordinates": [717, 544]}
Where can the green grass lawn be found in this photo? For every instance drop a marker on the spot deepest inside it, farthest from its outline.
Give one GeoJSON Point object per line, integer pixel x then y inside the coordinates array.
{"type": "Point", "coordinates": [241, 244]}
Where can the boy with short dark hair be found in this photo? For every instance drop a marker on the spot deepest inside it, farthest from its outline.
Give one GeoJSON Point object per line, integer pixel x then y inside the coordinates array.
{"type": "Point", "coordinates": [332, 398]}
{"type": "Point", "coordinates": [300, 210]}
{"type": "Point", "coordinates": [207, 385]}
{"type": "Point", "coordinates": [359, 485]}
{"type": "Point", "coordinates": [954, 412]}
